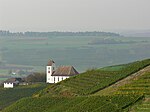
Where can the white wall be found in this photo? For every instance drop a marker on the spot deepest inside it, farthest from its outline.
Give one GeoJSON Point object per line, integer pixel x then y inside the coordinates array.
{"type": "Point", "coordinates": [48, 75]}
{"type": "Point", "coordinates": [59, 78]}
{"type": "Point", "coordinates": [8, 85]}
{"type": "Point", "coordinates": [50, 69]}
{"type": "Point", "coordinates": [55, 79]}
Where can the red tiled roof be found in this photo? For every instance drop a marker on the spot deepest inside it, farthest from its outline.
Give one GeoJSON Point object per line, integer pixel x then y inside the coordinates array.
{"type": "Point", "coordinates": [65, 71]}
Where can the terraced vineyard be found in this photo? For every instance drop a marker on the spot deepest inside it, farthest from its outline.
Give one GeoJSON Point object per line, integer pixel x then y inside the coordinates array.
{"type": "Point", "coordinates": [75, 104]}
{"type": "Point", "coordinates": [138, 86]}
{"type": "Point", "coordinates": [94, 80]}
{"type": "Point", "coordinates": [8, 96]}
{"type": "Point", "coordinates": [76, 94]}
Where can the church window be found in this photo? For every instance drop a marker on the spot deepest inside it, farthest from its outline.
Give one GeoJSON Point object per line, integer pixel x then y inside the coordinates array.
{"type": "Point", "coordinates": [54, 79]}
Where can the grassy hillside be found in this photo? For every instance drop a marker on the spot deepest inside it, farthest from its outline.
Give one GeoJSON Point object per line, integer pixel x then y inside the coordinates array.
{"type": "Point", "coordinates": [94, 80]}
{"type": "Point", "coordinates": [75, 104]}
{"type": "Point", "coordinates": [8, 96]}
{"type": "Point", "coordinates": [140, 85]}
{"type": "Point", "coordinates": [144, 106]}
{"type": "Point", "coordinates": [76, 94]}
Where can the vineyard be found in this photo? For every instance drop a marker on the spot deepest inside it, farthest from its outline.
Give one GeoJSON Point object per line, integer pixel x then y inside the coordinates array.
{"type": "Point", "coordinates": [76, 104]}
{"type": "Point", "coordinates": [76, 94]}
{"type": "Point", "coordinates": [139, 86]}
{"type": "Point", "coordinates": [8, 96]}
{"type": "Point", "coordinates": [143, 107]}
{"type": "Point", "coordinates": [94, 80]}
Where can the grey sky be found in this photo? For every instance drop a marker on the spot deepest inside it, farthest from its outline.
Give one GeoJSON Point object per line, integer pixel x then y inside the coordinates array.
{"type": "Point", "coordinates": [74, 15]}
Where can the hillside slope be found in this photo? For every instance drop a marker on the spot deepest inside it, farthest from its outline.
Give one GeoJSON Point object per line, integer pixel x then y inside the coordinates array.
{"type": "Point", "coordinates": [94, 80]}
{"type": "Point", "coordinates": [140, 85]}
{"type": "Point", "coordinates": [111, 89]}
{"type": "Point", "coordinates": [9, 96]}
{"type": "Point", "coordinates": [77, 94]}
{"type": "Point", "coordinates": [114, 103]}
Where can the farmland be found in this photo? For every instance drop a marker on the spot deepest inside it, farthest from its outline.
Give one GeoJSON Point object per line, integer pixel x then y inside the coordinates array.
{"type": "Point", "coordinates": [77, 94]}
{"type": "Point", "coordinates": [8, 96]}
{"type": "Point", "coordinates": [141, 85]}
{"type": "Point", "coordinates": [94, 80]}
{"type": "Point", "coordinates": [78, 104]}
{"type": "Point", "coordinates": [34, 52]}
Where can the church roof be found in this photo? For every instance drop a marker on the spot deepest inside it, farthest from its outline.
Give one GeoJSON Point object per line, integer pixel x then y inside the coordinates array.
{"type": "Point", "coordinates": [50, 62]}
{"type": "Point", "coordinates": [65, 71]}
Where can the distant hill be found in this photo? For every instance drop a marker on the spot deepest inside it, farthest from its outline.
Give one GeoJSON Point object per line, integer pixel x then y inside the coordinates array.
{"type": "Point", "coordinates": [77, 94]}
{"type": "Point", "coordinates": [138, 33]}
{"type": "Point", "coordinates": [55, 33]}
{"type": "Point", "coordinates": [113, 41]}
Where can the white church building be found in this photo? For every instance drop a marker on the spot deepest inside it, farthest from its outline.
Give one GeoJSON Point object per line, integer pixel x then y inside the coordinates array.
{"type": "Point", "coordinates": [54, 75]}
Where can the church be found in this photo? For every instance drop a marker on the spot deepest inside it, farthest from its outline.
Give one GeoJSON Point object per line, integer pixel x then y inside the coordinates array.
{"type": "Point", "coordinates": [54, 75]}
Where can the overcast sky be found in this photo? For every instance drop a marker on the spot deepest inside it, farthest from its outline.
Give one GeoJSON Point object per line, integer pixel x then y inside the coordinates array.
{"type": "Point", "coordinates": [74, 15]}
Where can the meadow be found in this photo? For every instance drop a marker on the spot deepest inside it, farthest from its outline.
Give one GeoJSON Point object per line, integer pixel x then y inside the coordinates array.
{"type": "Point", "coordinates": [9, 96]}
{"type": "Point", "coordinates": [93, 80]}
{"type": "Point", "coordinates": [76, 94]}
{"type": "Point", "coordinates": [77, 104]}
{"type": "Point", "coordinates": [139, 86]}
{"type": "Point", "coordinates": [34, 52]}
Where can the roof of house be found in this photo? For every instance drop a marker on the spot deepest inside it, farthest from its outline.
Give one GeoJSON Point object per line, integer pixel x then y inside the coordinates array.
{"type": "Point", "coordinates": [65, 71]}
{"type": "Point", "coordinates": [50, 62]}
{"type": "Point", "coordinates": [13, 80]}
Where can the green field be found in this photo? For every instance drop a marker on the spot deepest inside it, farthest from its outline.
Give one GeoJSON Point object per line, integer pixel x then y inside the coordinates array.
{"type": "Point", "coordinates": [8, 96]}
{"type": "Point", "coordinates": [94, 80]}
{"type": "Point", "coordinates": [77, 104]}
{"type": "Point", "coordinates": [70, 50]}
{"type": "Point", "coordinates": [76, 94]}
{"type": "Point", "coordinates": [137, 87]}
{"type": "Point", "coordinates": [2, 79]}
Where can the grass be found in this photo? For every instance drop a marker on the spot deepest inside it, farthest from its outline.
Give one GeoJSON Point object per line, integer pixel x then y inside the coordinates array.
{"type": "Point", "coordinates": [76, 94]}
{"type": "Point", "coordinates": [114, 68]}
{"type": "Point", "coordinates": [70, 51]}
{"type": "Point", "coordinates": [74, 104]}
{"type": "Point", "coordinates": [9, 96]}
{"type": "Point", "coordinates": [94, 80]}
{"type": "Point", "coordinates": [137, 87]}
{"type": "Point", "coordinates": [3, 79]}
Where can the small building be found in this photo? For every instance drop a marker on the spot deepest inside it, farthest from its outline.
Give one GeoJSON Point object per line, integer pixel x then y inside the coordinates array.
{"type": "Point", "coordinates": [10, 83]}
{"type": "Point", "coordinates": [54, 75]}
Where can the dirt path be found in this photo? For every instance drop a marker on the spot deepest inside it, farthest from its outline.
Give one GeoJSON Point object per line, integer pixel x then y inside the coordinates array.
{"type": "Point", "coordinates": [111, 89]}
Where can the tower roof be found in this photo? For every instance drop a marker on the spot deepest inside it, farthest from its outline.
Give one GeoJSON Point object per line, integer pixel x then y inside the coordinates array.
{"type": "Point", "coordinates": [65, 71]}
{"type": "Point", "coordinates": [50, 62]}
